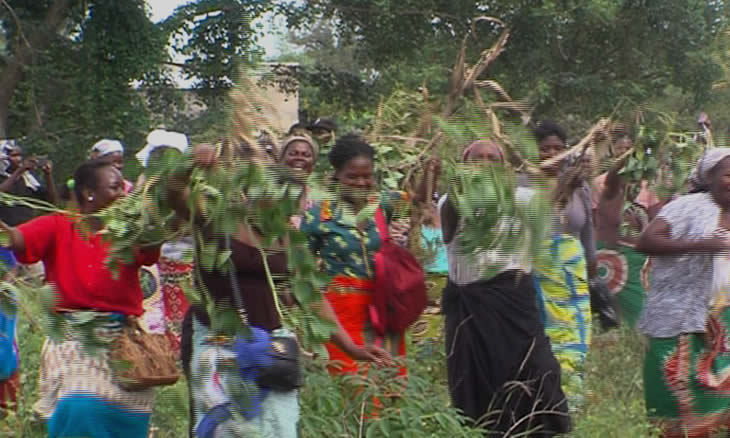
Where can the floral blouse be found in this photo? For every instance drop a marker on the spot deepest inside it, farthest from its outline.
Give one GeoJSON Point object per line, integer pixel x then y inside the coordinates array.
{"type": "Point", "coordinates": [332, 233]}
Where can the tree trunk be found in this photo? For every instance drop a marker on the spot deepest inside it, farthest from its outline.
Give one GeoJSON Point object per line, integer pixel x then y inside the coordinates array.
{"type": "Point", "coordinates": [12, 74]}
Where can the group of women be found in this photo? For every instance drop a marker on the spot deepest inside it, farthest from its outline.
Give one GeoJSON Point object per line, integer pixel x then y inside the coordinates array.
{"type": "Point", "coordinates": [516, 341]}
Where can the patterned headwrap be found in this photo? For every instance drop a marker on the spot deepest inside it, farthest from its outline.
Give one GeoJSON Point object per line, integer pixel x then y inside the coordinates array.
{"type": "Point", "coordinates": [299, 137]}
{"type": "Point", "coordinates": [7, 146]}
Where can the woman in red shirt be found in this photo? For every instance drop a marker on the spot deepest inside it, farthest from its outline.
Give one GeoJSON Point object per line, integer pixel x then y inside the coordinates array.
{"type": "Point", "coordinates": [78, 394]}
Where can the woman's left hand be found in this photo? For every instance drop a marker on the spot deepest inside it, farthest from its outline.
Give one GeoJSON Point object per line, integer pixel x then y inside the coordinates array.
{"type": "Point", "coordinates": [371, 353]}
{"type": "Point", "coordinates": [399, 232]}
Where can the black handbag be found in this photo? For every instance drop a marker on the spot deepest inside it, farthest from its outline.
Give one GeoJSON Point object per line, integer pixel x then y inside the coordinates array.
{"type": "Point", "coordinates": [284, 374]}
{"type": "Point", "coordinates": [602, 305]}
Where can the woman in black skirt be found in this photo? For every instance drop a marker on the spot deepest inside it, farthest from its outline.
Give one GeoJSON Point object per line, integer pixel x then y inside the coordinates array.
{"type": "Point", "coordinates": [501, 370]}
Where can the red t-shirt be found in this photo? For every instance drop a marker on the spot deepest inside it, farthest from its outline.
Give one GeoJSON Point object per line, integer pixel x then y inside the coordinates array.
{"type": "Point", "coordinates": [76, 266]}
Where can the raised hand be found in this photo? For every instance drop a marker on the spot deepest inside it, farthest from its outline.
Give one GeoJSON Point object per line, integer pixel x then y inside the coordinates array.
{"type": "Point", "coordinates": [47, 167]}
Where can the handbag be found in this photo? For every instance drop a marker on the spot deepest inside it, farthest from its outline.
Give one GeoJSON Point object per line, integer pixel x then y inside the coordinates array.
{"type": "Point", "coordinates": [400, 294]}
{"type": "Point", "coordinates": [602, 304]}
{"type": "Point", "coordinates": [141, 360]}
{"type": "Point", "coordinates": [284, 372]}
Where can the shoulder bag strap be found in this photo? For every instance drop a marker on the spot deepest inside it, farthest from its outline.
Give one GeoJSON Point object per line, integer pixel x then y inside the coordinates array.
{"type": "Point", "coordinates": [381, 224]}
{"type": "Point", "coordinates": [235, 287]}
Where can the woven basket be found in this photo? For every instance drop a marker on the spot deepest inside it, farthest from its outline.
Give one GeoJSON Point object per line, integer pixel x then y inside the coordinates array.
{"type": "Point", "coordinates": [141, 360]}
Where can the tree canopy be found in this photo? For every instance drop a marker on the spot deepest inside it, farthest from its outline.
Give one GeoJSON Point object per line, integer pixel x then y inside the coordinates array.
{"type": "Point", "coordinates": [568, 58]}
{"type": "Point", "coordinates": [72, 72]}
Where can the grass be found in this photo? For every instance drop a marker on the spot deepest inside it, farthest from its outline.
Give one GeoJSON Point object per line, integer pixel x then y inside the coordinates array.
{"type": "Point", "coordinates": [614, 398]}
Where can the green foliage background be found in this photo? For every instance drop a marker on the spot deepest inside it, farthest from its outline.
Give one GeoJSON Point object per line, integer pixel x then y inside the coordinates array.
{"type": "Point", "coordinates": [570, 60]}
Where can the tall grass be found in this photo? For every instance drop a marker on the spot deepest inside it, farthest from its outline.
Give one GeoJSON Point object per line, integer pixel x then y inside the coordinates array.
{"type": "Point", "coordinates": [338, 408]}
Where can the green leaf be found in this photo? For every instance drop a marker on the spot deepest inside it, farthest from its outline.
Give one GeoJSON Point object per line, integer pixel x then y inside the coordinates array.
{"type": "Point", "coordinates": [223, 258]}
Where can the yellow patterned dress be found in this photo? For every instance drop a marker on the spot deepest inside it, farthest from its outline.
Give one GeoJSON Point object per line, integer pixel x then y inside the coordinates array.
{"type": "Point", "coordinates": [562, 285]}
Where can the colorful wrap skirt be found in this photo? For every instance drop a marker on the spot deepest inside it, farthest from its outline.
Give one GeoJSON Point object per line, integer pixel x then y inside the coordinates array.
{"type": "Point", "coordinates": [153, 318]}
{"type": "Point", "coordinates": [620, 268]}
{"type": "Point", "coordinates": [561, 281]}
{"type": "Point", "coordinates": [175, 277]}
{"type": "Point", "coordinates": [213, 381]}
{"type": "Point", "coordinates": [350, 299]}
{"type": "Point", "coordinates": [687, 379]}
{"type": "Point", "coordinates": [79, 396]}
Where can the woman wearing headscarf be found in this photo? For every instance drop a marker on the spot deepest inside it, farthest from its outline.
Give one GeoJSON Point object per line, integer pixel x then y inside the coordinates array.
{"type": "Point", "coordinates": [175, 265]}
{"type": "Point", "coordinates": [112, 152]}
{"type": "Point", "coordinates": [494, 332]}
{"type": "Point", "coordinates": [300, 152]}
{"type": "Point", "coordinates": [686, 315]}
{"type": "Point", "coordinates": [562, 279]}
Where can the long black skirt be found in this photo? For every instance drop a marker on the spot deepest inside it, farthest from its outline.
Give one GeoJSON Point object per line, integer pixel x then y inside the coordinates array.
{"type": "Point", "coordinates": [501, 370]}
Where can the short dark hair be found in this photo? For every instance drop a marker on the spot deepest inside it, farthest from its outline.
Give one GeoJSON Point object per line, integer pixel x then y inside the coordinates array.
{"type": "Point", "coordinates": [547, 128]}
{"type": "Point", "coordinates": [86, 176]}
{"type": "Point", "coordinates": [348, 147]}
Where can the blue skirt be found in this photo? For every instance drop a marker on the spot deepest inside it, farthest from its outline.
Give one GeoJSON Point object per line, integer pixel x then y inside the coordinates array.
{"type": "Point", "coordinates": [88, 415]}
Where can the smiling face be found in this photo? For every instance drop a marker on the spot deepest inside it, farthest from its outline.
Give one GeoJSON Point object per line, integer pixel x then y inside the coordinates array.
{"type": "Point", "coordinates": [108, 187]}
{"type": "Point", "coordinates": [719, 178]}
{"type": "Point", "coordinates": [357, 177]}
{"type": "Point", "coordinates": [299, 155]}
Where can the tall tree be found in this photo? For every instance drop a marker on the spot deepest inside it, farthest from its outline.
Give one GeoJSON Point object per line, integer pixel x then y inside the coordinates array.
{"type": "Point", "coordinates": [69, 69]}
{"type": "Point", "coordinates": [217, 38]}
{"type": "Point", "coordinates": [568, 57]}
{"type": "Point", "coordinates": [29, 27]}
{"type": "Point", "coordinates": [78, 87]}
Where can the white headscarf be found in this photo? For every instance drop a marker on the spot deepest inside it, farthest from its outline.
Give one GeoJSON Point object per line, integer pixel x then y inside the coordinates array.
{"type": "Point", "coordinates": [107, 146]}
{"type": "Point", "coordinates": [699, 175]}
{"type": "Point", "coordinates": [161, 138]}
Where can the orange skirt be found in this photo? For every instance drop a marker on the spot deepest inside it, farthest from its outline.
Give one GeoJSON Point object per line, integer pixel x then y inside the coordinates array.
{"type": "Point", "coordinates": [350, 299]}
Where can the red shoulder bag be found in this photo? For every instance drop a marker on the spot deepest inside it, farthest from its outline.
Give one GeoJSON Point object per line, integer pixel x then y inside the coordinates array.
{"type": "Point", "coordinates": [400, 286]}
